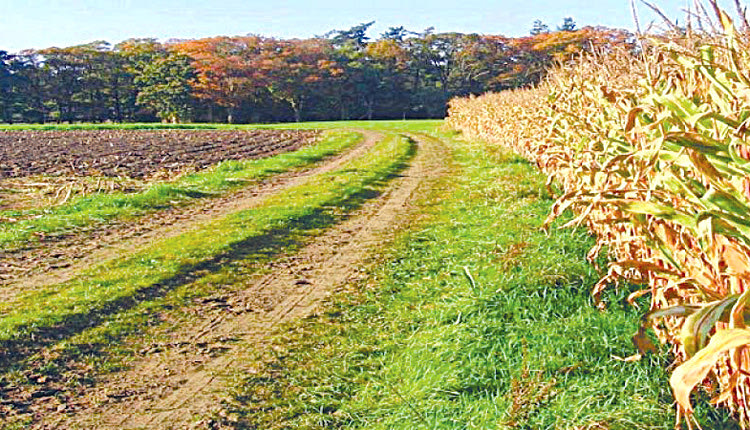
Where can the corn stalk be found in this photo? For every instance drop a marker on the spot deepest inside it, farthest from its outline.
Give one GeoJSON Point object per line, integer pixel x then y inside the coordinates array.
{"type": "Point", "coordinates": [652, 153]}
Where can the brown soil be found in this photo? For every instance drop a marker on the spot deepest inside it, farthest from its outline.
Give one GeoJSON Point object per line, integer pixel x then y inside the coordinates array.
{"type": "Point", "coordinates": [56, 259]}
{"type": "Point", "coordinates": [176, 383]}
{"type": "Point", "coordinates": [136, 153]}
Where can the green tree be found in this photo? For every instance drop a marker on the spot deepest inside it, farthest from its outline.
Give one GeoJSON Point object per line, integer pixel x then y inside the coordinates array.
{"type": "Point", "coordinates": [355, 36]}
{"type": "Point", "coordinates": [538, 28]}
{"type": "Point", "coordinates": [396, 33]}
{"type": "Point", "coordinates": [6, 86]}
{"type": "Point", "coordinates": [165, 85]}
{"type": "Point", "coordinates": [135, 55]}
{"type": "Point", "coordinates": [85, 81]}
{"type": "Point", "coordinates": [567, 25]}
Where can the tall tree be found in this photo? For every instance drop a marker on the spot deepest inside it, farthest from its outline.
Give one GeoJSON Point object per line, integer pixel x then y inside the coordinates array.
{"type": "Point", "coordinates": [30, 86]}
{"type": "Point", "coordinates": [355, 36]}
{"type": "Point", "coordinates": [136, 54]}
{"type": "Point", "coordinates": [295, 69]}
{"type": "Point", "coordinates": [401, 74]}
{"type": "Point", "coordinates": [396, 33]}
{"type": "Point", "coordinates": [165, 85]}
{"type": "Point", "coordinates": [7, 78]}
{"type": "Point", "coordinates": [85, 80]}
{"type": "Point", "coordinates": [226, 69]}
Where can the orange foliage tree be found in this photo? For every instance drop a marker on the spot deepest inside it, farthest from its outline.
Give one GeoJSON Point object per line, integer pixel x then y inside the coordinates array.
{"type": "Point", "coordinates": [225, 69]}
{"type": "Point", "coordinates": [296, 69]}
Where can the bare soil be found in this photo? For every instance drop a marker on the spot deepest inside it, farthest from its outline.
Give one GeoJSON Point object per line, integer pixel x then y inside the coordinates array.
{"type": "Point", "coordinates": [136, 153]}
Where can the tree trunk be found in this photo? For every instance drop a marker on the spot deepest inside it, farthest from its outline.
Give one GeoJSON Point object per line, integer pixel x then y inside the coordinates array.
{"type": "Point", "coordinates": [230, 115]}
{"type": "Point", "coordinates": [297, 108]}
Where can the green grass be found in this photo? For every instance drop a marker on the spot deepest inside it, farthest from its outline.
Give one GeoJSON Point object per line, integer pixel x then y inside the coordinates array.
{"type": "Point", "coordinates": [121, 284]}
{"type": "Point", "coordinates": [477, 320]}
{"type": "Point", "coordinates": [228, 175]}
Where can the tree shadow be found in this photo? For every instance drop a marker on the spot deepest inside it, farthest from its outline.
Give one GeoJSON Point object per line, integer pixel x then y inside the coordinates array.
{"type": "Point", "coordinates": [263, 247]}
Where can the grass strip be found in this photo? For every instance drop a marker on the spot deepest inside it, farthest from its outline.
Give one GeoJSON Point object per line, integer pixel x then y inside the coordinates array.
{"type": "Point", "coordinates": [221, 178]}
{"type": "Point", "coordinates": [478, 320]}
{"type": "Point", "coordinates": [113, 285]}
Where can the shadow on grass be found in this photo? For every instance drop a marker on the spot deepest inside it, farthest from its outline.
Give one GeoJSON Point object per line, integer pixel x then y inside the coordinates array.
{"type": "Point", "coordinates": [15, 353]}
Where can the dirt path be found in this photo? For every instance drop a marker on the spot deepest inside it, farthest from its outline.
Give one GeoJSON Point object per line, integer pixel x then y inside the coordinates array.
{"type": "Point", "coordinates": [57, 261]}
{"type": "Point", "coordinates": [182, 380]}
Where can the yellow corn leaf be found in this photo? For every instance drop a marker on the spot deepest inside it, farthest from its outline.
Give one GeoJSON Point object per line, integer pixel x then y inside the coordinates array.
{"type": "Point", "coordinates": [632, 297]}
{"type": "Point", "coordinates": [695, 370]}
{"type": "Point", "coordinates": [641, 340]}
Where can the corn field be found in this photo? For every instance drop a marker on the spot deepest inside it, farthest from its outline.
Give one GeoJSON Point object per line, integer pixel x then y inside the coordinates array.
{"type": "Point", "coordinates": [652, 151]}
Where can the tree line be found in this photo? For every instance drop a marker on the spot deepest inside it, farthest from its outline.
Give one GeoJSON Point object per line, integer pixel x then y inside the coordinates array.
{"type": "Point", "coordinates": [341, 75]}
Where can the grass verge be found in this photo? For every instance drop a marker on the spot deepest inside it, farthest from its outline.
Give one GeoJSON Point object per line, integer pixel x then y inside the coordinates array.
{"type": "Point", "coordinates": [45, 316]}
{"type": "Point", "coordinates": [225, 176]}
{"type": "Point", "coordinates": [477, 320]}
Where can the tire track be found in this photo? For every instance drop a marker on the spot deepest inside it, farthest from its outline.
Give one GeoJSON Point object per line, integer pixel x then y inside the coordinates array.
{"type": "Point", "coordinates": [122, 238]}
{"type": "Point", "coordinates": [171, 387]}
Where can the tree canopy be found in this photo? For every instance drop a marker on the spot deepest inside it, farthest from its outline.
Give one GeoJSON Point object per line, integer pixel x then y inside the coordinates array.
{"type": "Point", "coordinates": [341, 75]}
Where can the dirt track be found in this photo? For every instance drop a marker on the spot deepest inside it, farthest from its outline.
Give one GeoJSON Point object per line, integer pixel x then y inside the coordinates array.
{"type": "Point", "coordinates": [176, 383]}
{"type": "Point", "coordinates": [54, 261]}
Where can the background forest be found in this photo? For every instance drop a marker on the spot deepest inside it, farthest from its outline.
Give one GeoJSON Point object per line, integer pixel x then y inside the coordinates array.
{"type": "Point", "coordinates": [341, 75]}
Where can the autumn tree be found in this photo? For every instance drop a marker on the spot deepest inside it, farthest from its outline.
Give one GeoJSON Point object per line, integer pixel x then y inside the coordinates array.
{"type": "Point", "coordinates": [296, 69]}
{"type": "Point", "coordinates": [345, 75]}
{"type": "Point", "coordinates": [226, 72]}
{"type": "Point", "coordinates": [531, 56]}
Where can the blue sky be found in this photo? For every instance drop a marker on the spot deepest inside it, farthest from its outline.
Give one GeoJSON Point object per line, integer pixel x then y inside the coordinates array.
{"type": "Point", "coordinates": [45, 23]}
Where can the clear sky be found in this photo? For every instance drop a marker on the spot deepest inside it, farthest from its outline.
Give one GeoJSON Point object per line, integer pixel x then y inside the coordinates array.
{"type": "Point", "coordinates": [44, 23]}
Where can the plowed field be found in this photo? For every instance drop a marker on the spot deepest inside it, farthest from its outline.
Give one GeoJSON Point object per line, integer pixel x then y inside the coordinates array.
{"type": "Point", "coordinates": [136, 153]}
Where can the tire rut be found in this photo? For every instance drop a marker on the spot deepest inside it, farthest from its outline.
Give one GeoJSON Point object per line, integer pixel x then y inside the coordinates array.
{"type": "Point", "coordinates": [184, 379]}
{"type": "Point", "coordinates": [117, 239]}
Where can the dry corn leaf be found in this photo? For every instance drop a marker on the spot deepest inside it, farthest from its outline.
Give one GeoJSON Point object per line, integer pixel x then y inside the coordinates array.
{"type": "Point", "coordinates": [695, 370]}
